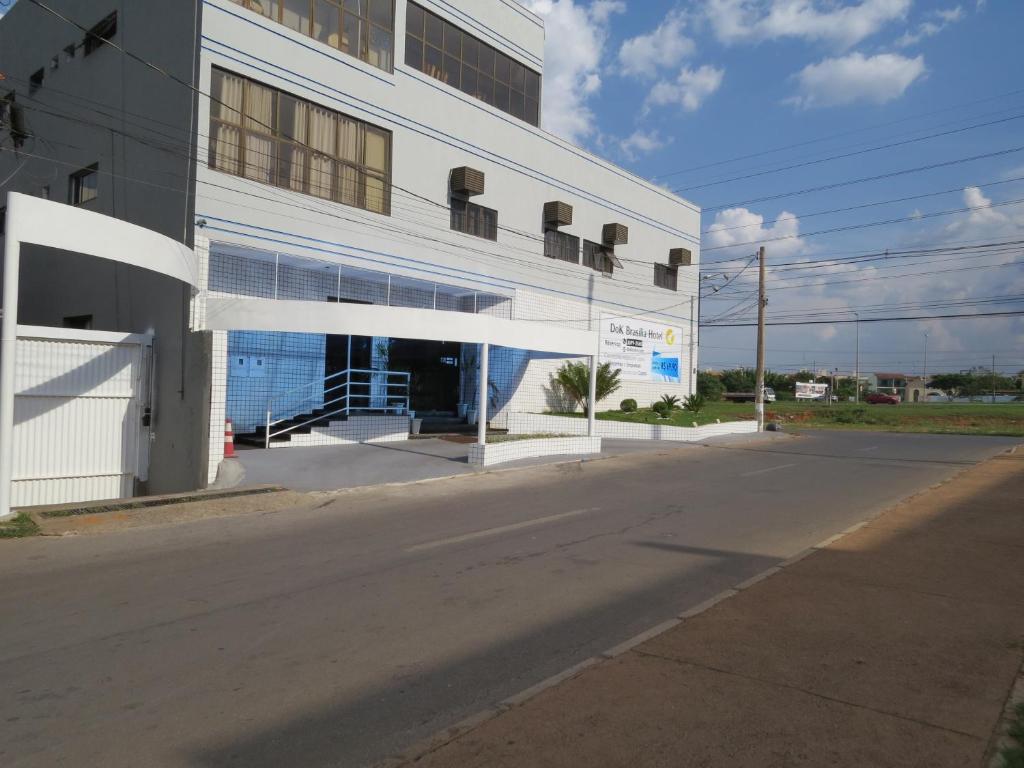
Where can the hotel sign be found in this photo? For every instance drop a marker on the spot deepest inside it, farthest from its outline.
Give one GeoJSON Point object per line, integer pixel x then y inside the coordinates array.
{"type": "Point", "coordinates": [642, 350]}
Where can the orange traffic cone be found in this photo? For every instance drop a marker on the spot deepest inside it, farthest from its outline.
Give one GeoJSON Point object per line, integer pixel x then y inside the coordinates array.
{"type": "Point", "coordinates": [229, 439]}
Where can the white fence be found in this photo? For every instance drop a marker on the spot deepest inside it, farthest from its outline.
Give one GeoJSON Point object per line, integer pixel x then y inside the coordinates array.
{"type": "Point", "coordinates": [78, 415]}
{"type": "Point", "coordinates": [536, 423]}
{"type": "Point", "coordinates": [514, 450]}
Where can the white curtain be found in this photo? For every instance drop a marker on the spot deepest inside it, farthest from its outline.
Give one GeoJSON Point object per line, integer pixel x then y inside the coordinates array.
{"type": "Point", "coordinates": [294, 122]}
{"type": "Point", "coordinates": [226, 101]}
{"type": "Point", "coordinates": [322, 139]}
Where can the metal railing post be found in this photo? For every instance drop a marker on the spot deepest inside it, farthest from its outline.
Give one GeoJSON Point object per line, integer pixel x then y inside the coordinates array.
{"type": "Point", "coordinates": [269, 416]}
{"type": "Point", "coordinates": [277, 271]}
{"type": "Point", "coordinates": [389, 291]}
{"type": "Point", "coordinates": [435, 297]}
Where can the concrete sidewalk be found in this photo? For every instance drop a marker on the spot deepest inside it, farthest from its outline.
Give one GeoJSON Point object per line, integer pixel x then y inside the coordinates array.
{"type": "Point", "coordinates": [896, 645]}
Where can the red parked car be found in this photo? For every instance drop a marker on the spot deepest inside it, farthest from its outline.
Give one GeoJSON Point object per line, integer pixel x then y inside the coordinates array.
{"type": "Point", "coordinates": [882, 398]}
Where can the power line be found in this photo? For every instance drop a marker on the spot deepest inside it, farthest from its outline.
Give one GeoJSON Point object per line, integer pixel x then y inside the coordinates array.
{"type": "Point", "coordinates": [818, 161]}
{"type": "Point", "coordinates": [865, 179]}
{"type": "Point", "coordinates": [876, 319]}
{"type": "Point", "coordinates": [836, 135]}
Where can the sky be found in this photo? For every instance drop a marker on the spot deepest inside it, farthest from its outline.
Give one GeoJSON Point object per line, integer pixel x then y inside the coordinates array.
{"type": "Point", "coordinates": [738, 104]}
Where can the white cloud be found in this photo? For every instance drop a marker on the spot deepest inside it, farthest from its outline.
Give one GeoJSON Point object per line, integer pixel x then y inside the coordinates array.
{"type": "Point", "coordinates": [738, 232]}
{"type": "Point", "coordinates": [664, 48]}
{"type": "Point", "coordinates": [642, 143]}
{"type": "Point", "coordinates": [689, 89]}
{"type": "Point", "coordinates": [856, 78]}
{"type": "Point", "coordinates": [937, 23]}
{"type": "Point", "coordinates": [574, 47]}
{"type": "Point", "coordinates": [737, 21]}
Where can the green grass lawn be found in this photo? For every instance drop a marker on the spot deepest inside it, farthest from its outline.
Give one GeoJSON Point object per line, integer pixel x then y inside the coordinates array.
{"type": "Point", "coordinates": [941, 418]}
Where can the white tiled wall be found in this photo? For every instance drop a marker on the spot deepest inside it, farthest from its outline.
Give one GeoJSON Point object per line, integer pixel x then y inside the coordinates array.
{"type": "Point", "coordinates": [514, 450]}
{"type": "Point", "coordinates": [535, 423]}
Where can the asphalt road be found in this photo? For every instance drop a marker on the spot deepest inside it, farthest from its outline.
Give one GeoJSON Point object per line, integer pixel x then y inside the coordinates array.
{"type": "Point", "coordinates": [338, 634]}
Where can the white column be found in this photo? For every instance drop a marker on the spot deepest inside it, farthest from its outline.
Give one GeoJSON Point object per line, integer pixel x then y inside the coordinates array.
{"type": "Point", "coordinates": [8, 350]}
{"type": "Point", "coordinates": [592, 399]}
{"type": "Point", "coordinates": [481, 424]}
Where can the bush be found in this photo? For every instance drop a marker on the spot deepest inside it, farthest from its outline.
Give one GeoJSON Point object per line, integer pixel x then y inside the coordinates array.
{"type": "Point", "coordinates": [671, 401]}
{"type": "Point", "coordinates": [694, 403]}
{"type": "Point", "coordinates": [628, 405]}
{"type": "Point", "coordinates": [710, 386]}
{"type": "Point", "coordinates": [662, 408]}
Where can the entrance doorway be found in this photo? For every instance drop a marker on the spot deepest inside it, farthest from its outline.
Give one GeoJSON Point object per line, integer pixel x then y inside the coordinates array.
{"type": "Point", "coordinates": [434, 388]}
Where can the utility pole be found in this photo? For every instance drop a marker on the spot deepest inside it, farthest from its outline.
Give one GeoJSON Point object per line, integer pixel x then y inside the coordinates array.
{"type": "Point", "coordinates": [693, 363]}
{"type": "Point", "coordinates": [993, 379]}
{"type": "Point", "coordinates": [856, 368]}
{"type": "Point", "coordinates": [926, 365]}
{"type": "Point", "coordinates": [762, 303]}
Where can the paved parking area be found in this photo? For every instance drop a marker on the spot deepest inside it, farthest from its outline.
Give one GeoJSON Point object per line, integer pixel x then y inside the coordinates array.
{"type": "Point", "coordinates": [331, 468]}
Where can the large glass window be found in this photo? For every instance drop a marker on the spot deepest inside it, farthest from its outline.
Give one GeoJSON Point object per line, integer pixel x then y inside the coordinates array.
{"type": "Point", "coordinates": [561, 246]}
{"type": "Point", "coordinates": [443, 51]}
{"type": "Point", "coordinates": [83, 185]}
{"type": "Point", "coordinates": [473, 219]}
{"type": "Point", "coordinates": [274, 138]}
{"type": "Point", "coordinates": [361, 28]}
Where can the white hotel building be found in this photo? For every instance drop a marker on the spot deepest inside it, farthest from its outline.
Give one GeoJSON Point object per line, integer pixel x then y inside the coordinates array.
{"type": "Point", "coordinates": [370, 198]}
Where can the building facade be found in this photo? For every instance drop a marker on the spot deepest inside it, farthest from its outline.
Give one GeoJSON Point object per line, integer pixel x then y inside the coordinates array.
{"type": "Point", "coordinates": [340, 169]}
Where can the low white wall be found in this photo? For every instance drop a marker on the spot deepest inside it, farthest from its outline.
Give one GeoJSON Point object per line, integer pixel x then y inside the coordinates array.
{"type": "Point", "coordinates": [536, 423]}
{"type": "Point", "coordinates": [513, 450]}
{"type": "Point", "coordinates": [358, 429]}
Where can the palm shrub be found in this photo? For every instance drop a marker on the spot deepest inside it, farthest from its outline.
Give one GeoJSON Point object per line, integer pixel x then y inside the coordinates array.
{"type": "Point", "coordinates": [671, 401]}
{"type": "Point", "coordinates": [573, 379]}
{"type": "Point", "coordinates": [694, 403]}
{"type": "Point", "coordinates": [628, 405]}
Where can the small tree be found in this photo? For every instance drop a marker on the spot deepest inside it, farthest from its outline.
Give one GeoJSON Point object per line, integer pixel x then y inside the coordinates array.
{"type": "Point", "coordinates": [739, 380]}
{"type": "Point", "coordinates": [574, 380]}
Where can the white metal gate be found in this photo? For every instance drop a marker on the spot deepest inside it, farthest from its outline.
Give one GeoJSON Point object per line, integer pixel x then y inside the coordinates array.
{"type": "Point", "coordinates": [81, 415]}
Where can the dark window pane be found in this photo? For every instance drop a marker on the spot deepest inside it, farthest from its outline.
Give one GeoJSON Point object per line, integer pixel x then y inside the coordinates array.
{"type": "Point", "coordinates": [485, 88]}
{"type": "Point", "coordinates": [381, 13]}
{"type": "Point", "coordinates": [414, 20]}
{"type": "Point", "coordinates": [469, 80]}
{"type": "Point", "coordinates": [470, 50]}
{"type": "Point", "coordinates": [381, 48]}
{"type": "Point", "coordinates": [516, 106]}
{"type": "Point", "coordinates": [502, 68]}
{"type": "Point", "coordinates": [452, 40]}
{"type": "Point", "coordinates": [450, 71]}
{"type": "Point", "coordinates": [291, 168]}
{"type": "Point", "coordinates": [296, 15]}
{"type": "Point", "coordinates": [532, 112]}
{"type": "Point", "coordinates": [327, 23]}
{"type": "Point", "coordinates": [352, 39]}
{"type": "Point", "coordinates": [486, 64]}
{"type": "Point", "coordinates": [432, 62]}
{"type": "Point", "coordinates": [356, 6]}
{"type": "Point", "coordinates": [501, 97]}
{"type": "Point", "coordinates": [518, 80]}
{"type": "Point", "coordinates": [414, 52]}
{"type": "Point", "coordinates": [435, 30]}
{"type": "Point", "coordinates": [533, 85]}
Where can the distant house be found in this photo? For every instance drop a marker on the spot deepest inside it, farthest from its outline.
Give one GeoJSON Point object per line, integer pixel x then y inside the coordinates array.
{"type": "Point", "coordinates": [890, 383]}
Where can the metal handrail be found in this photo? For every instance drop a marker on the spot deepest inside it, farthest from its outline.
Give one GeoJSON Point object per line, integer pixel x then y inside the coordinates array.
{"type": "Point", "coordinates": [297, 407]}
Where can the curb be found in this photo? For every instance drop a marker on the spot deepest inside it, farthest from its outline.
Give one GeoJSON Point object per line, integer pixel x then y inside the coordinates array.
{"type": "Point", "coordinates": [426, 746]}
{"type": "Point", "coordinates": [145, 502]}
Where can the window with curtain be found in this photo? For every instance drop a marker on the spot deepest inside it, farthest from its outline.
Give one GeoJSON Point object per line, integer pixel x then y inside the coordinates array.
{"type": "Point", "coordinates": [440, 49]}
{"type": "Point", "coordinates": [361, 28]}
{"type": "Point", "coordinates": [272, 137]}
